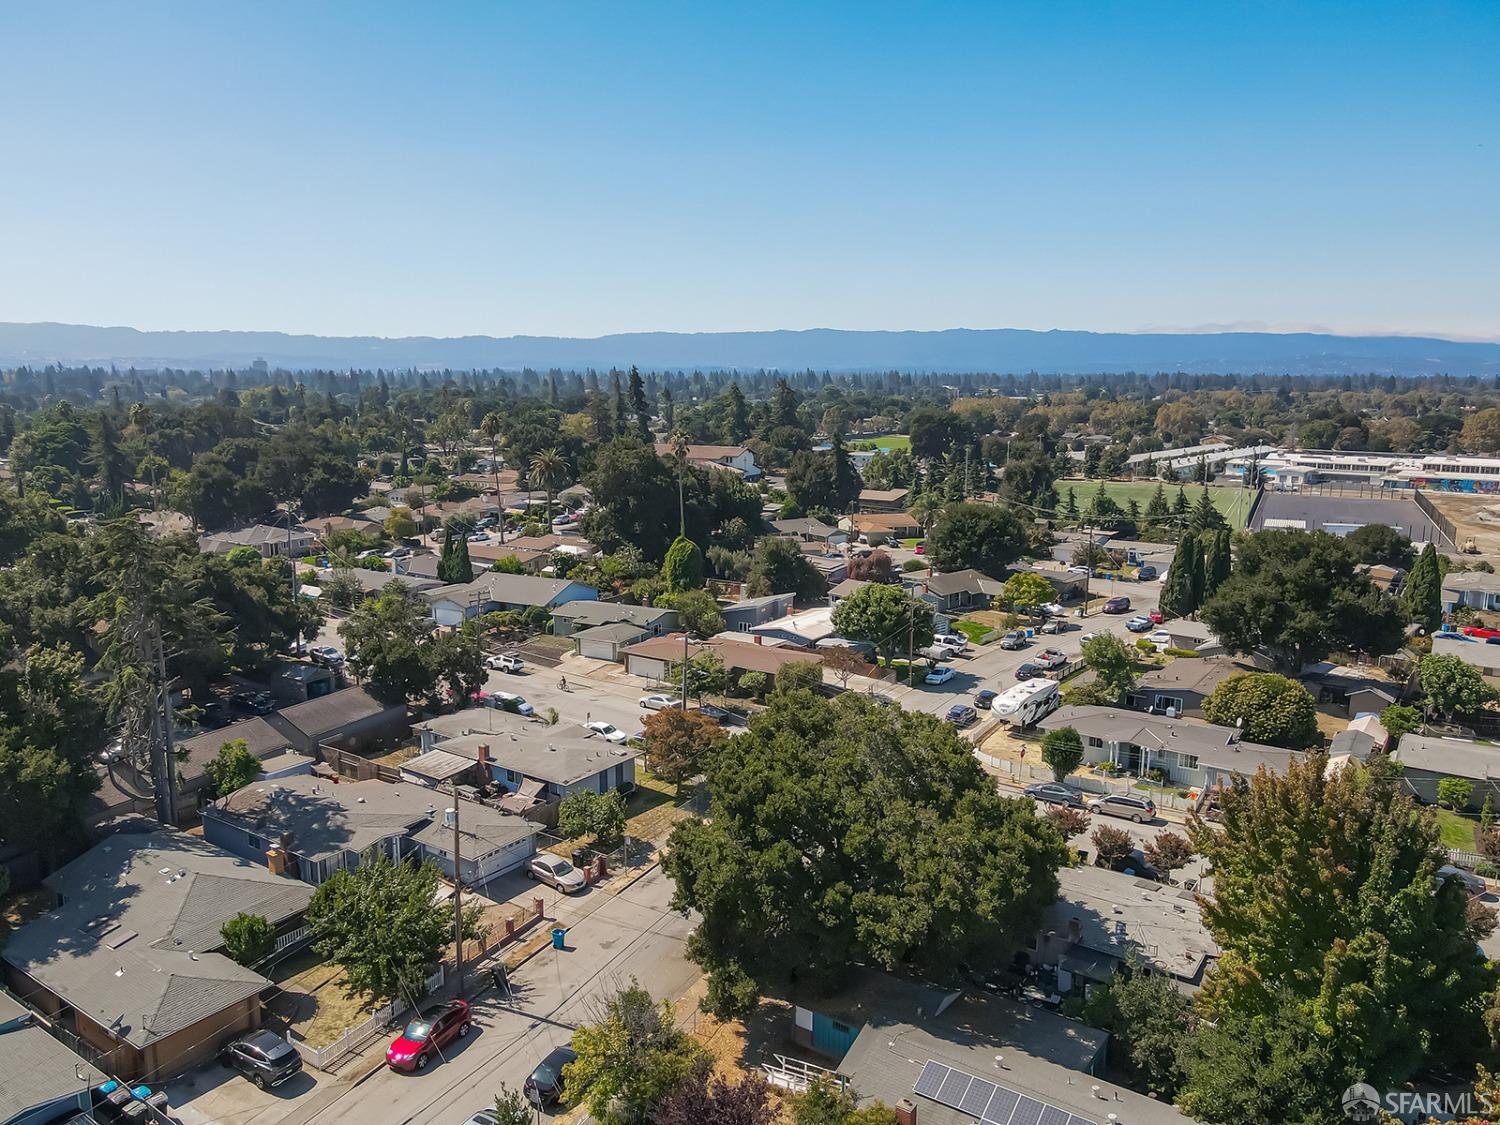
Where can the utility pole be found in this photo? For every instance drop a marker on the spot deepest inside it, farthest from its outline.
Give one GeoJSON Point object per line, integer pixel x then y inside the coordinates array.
{"type": "Point", "coordinates": [163, 773]}
{"type": "Point", "coordinates": [458, 902]}
{"type": "Point", "coordinates": [292, 562]}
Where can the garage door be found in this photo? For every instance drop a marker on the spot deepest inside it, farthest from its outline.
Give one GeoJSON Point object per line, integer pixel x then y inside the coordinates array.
{"type": "Point", "coordinates": [597, 650]}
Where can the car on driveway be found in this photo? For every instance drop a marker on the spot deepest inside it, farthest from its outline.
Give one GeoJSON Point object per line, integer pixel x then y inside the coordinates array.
{"type": "Point", "coordinates": [556, 872]}
{"type": "Point", "coordinates": [427, 1034]}
{"type": "Point", "coordinates": [960, 715]}
{"type": "Point", "coordinates": [1146, 573]}
{"type": "Point", "coordinates": [1156, 617]}
{"type": "Point", "coordinates": [956, 641]}
{"type": "Point", "coordinates": [939, 675]}
{"type": "Point", "coordinates": [256, 702]}
{"type": "Point", "coordinates": [264, 1057]}
{"type": "Point", "coordinates": [544, 1085]}
{"type": "Point", "coordinates": [1055, 794]}
{"type": "Point", "coordinates": [983, 699]}
{"type": "Point", "coordinates": [1117, 605]}
{"type": "Point", "coordinates": [1081, 570]}
{"type": "Point", "coordinates": [1013, 640]}
{"type": "Point", "coordinates": [1050, 658]}
{"type": "Point", "coordinates": [1159, 637]}
{"type": "Point", "coordinates": [660, 702]}
{"type": "Point", "coordinates": [505, 662]}
{"type": "Point", "coordinates": [326, 655]}
{"type": "Point", "coordinates": [1138, 809]}
{"type": "Point", "coordinates": [717, 714]}
{"type": "Point", "coordinates": [510, 701]}
{"type": "Point", "coordinates": [608, 731]}
{"type": "Point", "coordinates": [1135, 863]}
{"type": "Point", "coordinates": [1051, 609]}
{"type": "Point", "coordinates": [1138, 624]}
{"type": "Point", "coordinates": [1030, 671]}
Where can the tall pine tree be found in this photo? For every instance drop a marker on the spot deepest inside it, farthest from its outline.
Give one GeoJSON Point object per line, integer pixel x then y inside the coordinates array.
{"type": "Point", "coordinates": [1179, 590]}
{"type": "Point", "coordinates": [1423, 592]}
{"type": "Point", "coordinates": [1216, 561]}
{"type": "Point", "coordinates": [638, 404]}
{"type": "Point", "coordinates": [1206, 517]}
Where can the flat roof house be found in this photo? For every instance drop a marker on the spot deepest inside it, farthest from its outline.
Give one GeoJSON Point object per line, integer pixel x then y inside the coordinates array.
{"type": "Point", "coordinates": [741, 616]}
{"type": "Point", "coordinates": [1473, 589]}
{"type": "Point", "coordinates": [130, 957]}
{"type": "Point", "coordinates": [492, 593]}
{"type": "Point", "coordinates": [1193, 753]}
{"type": "Point", "coordinates": [803, 629]}
{"type": "Point", "coordinates": [347, 719]}
{"type": "Point", "coordinates": [319, 828]}
{"type": "Point", "coordinates": [1101, 920]}
{"type": "Point", "coordinates": [1477, 652]}
{"type": "Point", "coordinates": [1427, 759]}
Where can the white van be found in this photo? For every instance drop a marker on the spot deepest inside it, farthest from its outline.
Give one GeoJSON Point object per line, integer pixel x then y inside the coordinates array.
{"type": "Point", "coordinates": [1028, 702]}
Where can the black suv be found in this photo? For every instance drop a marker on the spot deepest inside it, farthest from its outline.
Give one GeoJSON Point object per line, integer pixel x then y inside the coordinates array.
{"type": "Point", "coordinates": [544, 1086]}
{"type": "Point", "coordinates": [263, 1057]}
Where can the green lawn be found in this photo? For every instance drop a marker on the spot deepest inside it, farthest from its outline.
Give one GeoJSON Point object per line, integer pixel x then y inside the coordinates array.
{"type": "Point", "coordinates": [1234, 503]}
{"type": "Point", "coordinates": [1455, 831]}
{"type": "Point", "coordinates": [888, 442]}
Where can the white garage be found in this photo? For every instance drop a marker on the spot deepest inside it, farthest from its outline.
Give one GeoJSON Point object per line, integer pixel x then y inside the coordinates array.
{"type": "Point", "coordinates": [607, 642]}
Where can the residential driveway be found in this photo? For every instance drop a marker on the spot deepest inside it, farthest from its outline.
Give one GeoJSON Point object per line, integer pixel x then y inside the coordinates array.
{"type": "Point", "coordinates": [214, 1095]}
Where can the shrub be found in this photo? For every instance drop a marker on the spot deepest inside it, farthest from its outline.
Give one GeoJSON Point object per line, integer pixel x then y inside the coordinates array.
{"type": "Point", "coordinates": [248, 938]}
{"type": "Point", "coordinates": [1454, 792]}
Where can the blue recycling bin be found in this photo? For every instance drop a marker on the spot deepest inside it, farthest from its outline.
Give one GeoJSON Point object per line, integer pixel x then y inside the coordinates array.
{"type": "Point", "coordinates": [559, 937]}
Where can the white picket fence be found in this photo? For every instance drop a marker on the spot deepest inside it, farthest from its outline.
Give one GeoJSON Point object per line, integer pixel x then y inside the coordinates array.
{"type": "Point", "coordinates": [356, 1038]}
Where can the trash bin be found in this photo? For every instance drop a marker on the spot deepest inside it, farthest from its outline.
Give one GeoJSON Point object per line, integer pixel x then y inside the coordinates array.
{"type": "Point", "coordinates": [559, 937]}
{"type": "Point", "coordinates": [580, 857]}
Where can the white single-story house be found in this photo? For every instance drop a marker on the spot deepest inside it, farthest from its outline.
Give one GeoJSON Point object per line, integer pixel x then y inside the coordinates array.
{"type": "Point", "coordinates": [1472, 589]}
{"type": "Point", "coordinates": [271, 542]}
{"type": "Point", "coordinates": [804, 629]}
{"type": "Point", "coordinates": [492, 593]}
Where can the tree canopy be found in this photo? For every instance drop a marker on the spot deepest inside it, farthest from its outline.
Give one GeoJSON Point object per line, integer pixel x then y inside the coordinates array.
{"type": "Point", "coordinates": [984, 537]}
{"type": "Point", "coordinates": [886, 617]}
{"type": "Point", "coordinates": [1272, 709]}
{"type": "Point", "coordinates": [843, 832]}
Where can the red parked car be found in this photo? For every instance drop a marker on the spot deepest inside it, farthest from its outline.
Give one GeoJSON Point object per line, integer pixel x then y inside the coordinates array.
{"type": "Point", "coordinates": [1156, 617]}
{"type": "Point", "coordinates": [427, 1034]}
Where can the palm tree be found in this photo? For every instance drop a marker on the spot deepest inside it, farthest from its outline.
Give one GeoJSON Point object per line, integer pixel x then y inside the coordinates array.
{"type": "Point", "coordinates": [549, 470]}
{"type": "Point", "coordinates": [681, 441]}
{"type": "Point", "coordinates": [490, 425]}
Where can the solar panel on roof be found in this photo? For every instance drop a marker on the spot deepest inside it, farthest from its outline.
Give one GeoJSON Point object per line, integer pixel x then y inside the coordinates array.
{"type": "Point", "coordinates": [989, 1102]}
{"type": "Point", "coordinates": [931, 1079]}
{"type": "Point", "coordinates": [977, 1097]}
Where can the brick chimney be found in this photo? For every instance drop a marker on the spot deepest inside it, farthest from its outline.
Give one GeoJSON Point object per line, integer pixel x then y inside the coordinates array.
{"type": "Point", "coordinates": [484, 755]}
{"type": "Point", "coordinates": [759, 639]}
{"type": "Point", "coordinates": [906, 1112]}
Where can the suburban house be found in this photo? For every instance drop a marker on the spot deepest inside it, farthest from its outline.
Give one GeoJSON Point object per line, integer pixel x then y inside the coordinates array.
{"type": "Point", "coordinates": [1359, 691]}
{"type": "Point", "coordinates": [735, 458]}
{"type": "Point", "coordinates": [743, 615]}
{"type": "Point", "coordinates": [1101, 921]}
{"type": "Point", "coordinates": [653, 659]}
{"type": "Point", "coordinates": [1192, 636]}
{"type": "Point", "coordinates": [1182, 685]}
{"type": "Point", "coordinates": [41, 1081]}
{"type": "Point", "coordinates": [955, 592]}
{"type": "Point", "coordinates": [832, 568]}
{"type": "Point", "coordinates": [1482, 653]}
{"type": "Point", "coordinates": [556, 761]}
{"type": "Point", "coordinates": [130, 957]}
{"type": "Point", "coordinates": [1470, 589]}
{"type": "Point", "coordinates": [324, 526]}
{"type": "Point", "coordinates": [371, 582]}
{"type": "Point", "coordinates": [804, 629]}
{"type": "Point", "coordinates": [575, 617]}
{"type": "Point", "coordinates": [1066, 586]}
{"type": "Point", "coordinates": [271, 542]}
{"type": "Point", "coordinates": [1194, 754]}
{"type": "Point", "coordinates": [493, 593]}
{"type": "Point", "coordinates": [553, 543]}
{"type": "Point", "coordinates": [1427, 759]}
{"type": "Point", "coordinates": [310, 827]}
{"type": "Point", "coordinates": [885, 525]}
{"type": "Point", "coordinates": [1387, 579]}
{"type": "Point", "coordinates": [810, 531]}
{"type": "Point", "coordinates": [487, 555]}
{"type": "Point", "coordinates": [349, 719]}
{"type": "Point", "coordinates": [939, 1057]}
{"type": "Point", "coordinates": [846, 588]}
{"type": "Point", "coordinates": [883, 499]}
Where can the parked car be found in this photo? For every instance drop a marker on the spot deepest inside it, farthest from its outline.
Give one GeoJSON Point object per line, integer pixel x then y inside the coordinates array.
{"type": "Point", "coordinates": [326, 655]}
{"type": "Point", "coordinates": [1054, 625]}
{"type": "Point", "coordinates": [213, 714]}
{"type": "Point", "coordinates": [920, 548]}
{"type": "Point", "coordinates": [1156, 617]}
{"type": "Point", "coordinates": [505, 662]}
{"type": "Point", "coordinates": [1030, 671]}
{"type": "Point", "coordinates": [1159, 637]}
{"type": "Point", "coordinates": [478, 537]}
{"type": "Point", "coordinates": [1135, 864]}
{"type": "Point", "coordinates": [1051, 609]}
{"type": "Point", "coordinates": [1117, 605]}
{"type": "Point", "coordinates": [509, 701]}
{"type": "Point", "coordinates": [257, 702]}
{"type": "Point", "coordinates": [1054, 794]}
{"type": "Point", "coordinates": [660, 702]}
{"type": "Point", "coordinates": [960, 715]}
{"type": "Point", "coordinates": [608, 731]}
{"type": "Point", "coordinates": [1146, 573]}
{"type": "Point", "coordinates": [483, 1117]}
{"type": "Point", "coordinates": [939, 675]}
{"type": "Point", "coordinates": [1138, 624]}
{"type": "Point", "coordinates": [1081, 570]}
{"type": "Point", "coordinates": [717, 714]}
{"type": "Point", "coordinates": [544, 1085]}
{"type": "Point", "coordinates": [398, 553]}
{"type": "Point", "coordinates": [983, 699]}
{"type": "Point", "coordinates": [556, 872]}
{"type": "Point", "coordinates": [1013, 640]}
{"type": "Point", "coordinates": [936, 651]}
{"type": "Point", "coordinates": [1138, 809]}
{"type": "Point", "coordinates": [956, 641]}
{"type": "Point", "coordinates": [1473, 884]}
{"type": "Point", "coordinates": [427, 1034]}
{"type": "Point", "coordinates": [114, 752]}
{"type": "Point", "coordinates": [1050, 659]}
{"type": "Point", "coordinates": [264, 1057]}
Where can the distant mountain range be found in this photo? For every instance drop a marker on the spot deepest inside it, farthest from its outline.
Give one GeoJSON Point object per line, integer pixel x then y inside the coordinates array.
{"type": "Point", "coordinates": [958, 350]}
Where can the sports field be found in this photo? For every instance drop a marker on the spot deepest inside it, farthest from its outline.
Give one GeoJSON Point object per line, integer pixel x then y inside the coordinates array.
{"type": "Point", "coordinates": [1234, 503]}
{"type": "Point", "coordinates": [886, 442]}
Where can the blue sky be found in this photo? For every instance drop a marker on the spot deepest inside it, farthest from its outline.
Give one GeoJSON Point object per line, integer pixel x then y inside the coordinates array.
{"type": "Point", "coordinates": [578, 169]}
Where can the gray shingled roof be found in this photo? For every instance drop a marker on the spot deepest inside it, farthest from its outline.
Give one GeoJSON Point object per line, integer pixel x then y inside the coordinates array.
{"type": "Point", "coordinates": [1457, 757]}
{"type": "Point", "coordinates": [35, 1068]}
{"type": "Point", "coordinates": [511, 589]}
{"type": "Point", "coordinates": [560, 756]}
{"type": "Point", "coordinates": [589, 613]}
{"type": "Point", "coordinates": [327, 713]}
{"type": "Point", "coordinates": [140, 911]}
